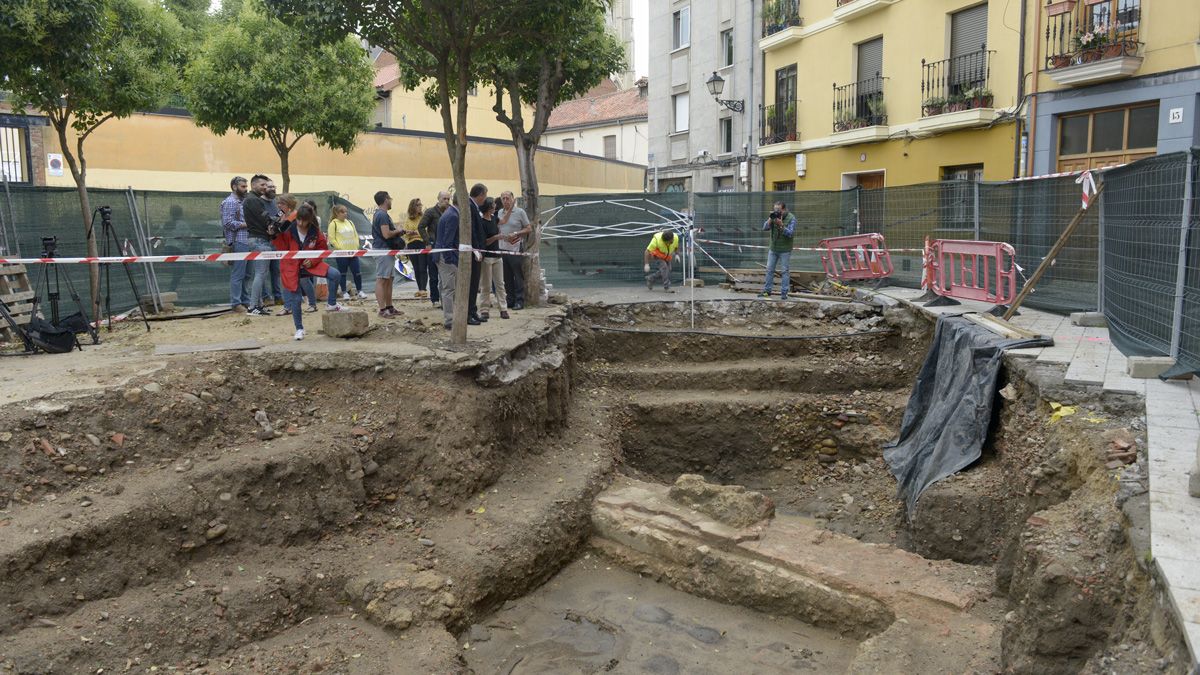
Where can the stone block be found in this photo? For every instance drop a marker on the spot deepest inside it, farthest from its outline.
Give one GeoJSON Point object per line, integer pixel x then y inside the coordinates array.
{"type": "Point", "coordinates": [730, 504]}
{"type": "Point", "coordinates": [349, 323]}
{"type": "Point", "coordinates": [1089, 319]}
{"type": "Point", "coordinates": [1148, 367]}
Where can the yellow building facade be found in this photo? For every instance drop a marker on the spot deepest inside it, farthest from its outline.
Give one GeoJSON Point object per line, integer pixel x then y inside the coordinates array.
{"type": "Point", "coordinates": [169, 152]}
{"type": "Point", "coordinates": [878, 93]}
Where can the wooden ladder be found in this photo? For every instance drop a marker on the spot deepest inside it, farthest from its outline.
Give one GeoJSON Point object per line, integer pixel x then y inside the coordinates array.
{"type": "Point", "coordinates": [17, 294]}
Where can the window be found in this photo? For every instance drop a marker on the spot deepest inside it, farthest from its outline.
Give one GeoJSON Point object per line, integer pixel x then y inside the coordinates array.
{"type": "Point", "coordinates": [723, 184]}
{"type": "Point", "coordinates": [968, 40]}
{"type": "Point", "coordinates": [785, 86]}
{"type": "Point", "coordinates": [727, 47]}
{"type": "Point", "coordinates": [958, 196]}
{"type": "Point", "coordinates": [569, 144]}
{"type": "Point", "coordinates": [870, 59]}
{"type": "Point", "coordinates": [725, 124]}
{"type": "Point", "coordinates": [610, 147]}
{"type": "Point", "coordinates": [784, 186]}
{"type": "Point", "coordinates": [679, 102]}
{"type": "Point", "coordinates": [473, 91]}
{"type": "Point", "coordinates": [682, 34]}
{"type": "Point", "coordinates": [1100, 138]}
{"type": "Point", "coordinates": [14, 154]}
{"type": "Point", "coordinates": [1117, 16]}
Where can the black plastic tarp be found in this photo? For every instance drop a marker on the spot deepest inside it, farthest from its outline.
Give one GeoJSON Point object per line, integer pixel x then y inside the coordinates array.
{"type": "Point", "coordinates": [950, 409]}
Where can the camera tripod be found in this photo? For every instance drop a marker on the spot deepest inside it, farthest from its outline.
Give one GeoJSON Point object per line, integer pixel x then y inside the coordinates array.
{"type": "Point", "coordinates": [109, 235]}
{"type": "Point", "coordinates": [54, 293]}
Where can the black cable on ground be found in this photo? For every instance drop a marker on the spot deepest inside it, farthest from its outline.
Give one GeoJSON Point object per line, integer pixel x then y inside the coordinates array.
{"type": "Point", "coordinates": [687, 331]}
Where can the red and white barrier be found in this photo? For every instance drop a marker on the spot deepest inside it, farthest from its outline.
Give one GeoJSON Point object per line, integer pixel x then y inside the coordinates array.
{"type": "Point", "coordinates": [974, 270]}
{"type": "Point", "coordinates": [856, 257]}
{"type": "Point", "coordinates": [249, 255]}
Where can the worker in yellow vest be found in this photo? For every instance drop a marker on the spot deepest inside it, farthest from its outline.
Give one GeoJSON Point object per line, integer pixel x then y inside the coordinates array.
{"type": "Point", "coordinates": [660, 252]}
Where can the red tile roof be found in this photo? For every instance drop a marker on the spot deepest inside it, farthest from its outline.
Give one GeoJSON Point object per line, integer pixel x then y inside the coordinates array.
{"type": "Point", "coordinates": [626, 104]}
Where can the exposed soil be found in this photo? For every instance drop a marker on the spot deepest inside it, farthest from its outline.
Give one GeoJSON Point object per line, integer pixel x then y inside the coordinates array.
{"type": "Point", "coordinates": [349, 506]}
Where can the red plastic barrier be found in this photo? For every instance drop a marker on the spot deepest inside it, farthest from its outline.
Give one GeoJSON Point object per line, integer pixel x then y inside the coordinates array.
{"type": "Point", "coordinates": [974, 270]}
{"type": "Point", "coordinates": [859, 256]}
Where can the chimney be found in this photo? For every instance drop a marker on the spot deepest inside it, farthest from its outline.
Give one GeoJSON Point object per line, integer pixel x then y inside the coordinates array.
{"type": "Point", "coordinates": [642, 84]}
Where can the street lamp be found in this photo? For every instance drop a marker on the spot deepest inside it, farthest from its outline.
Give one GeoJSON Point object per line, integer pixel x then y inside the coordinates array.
{"type": "Point", "coordinates": [716, 84]}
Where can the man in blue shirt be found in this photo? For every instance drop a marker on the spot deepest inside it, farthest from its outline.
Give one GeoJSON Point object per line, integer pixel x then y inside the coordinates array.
{"type": "Point", "coordinates": [233, 225]}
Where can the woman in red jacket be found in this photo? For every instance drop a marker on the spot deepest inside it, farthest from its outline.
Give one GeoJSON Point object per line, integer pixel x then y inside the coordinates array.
{"type": "Point", "coordinates": [303, 234]}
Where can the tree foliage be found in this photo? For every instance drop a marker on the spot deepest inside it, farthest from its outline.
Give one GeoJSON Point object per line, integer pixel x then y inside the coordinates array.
{"type": "Point", "coordinates": [83, 62]}
{"type": "Point", "coordinates": [260, 77]}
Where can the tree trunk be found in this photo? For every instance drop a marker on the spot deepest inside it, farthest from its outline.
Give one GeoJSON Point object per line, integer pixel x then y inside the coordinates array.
{"type": "Point", "coordinates": [284, 170]}
{"type": "Point", "coordinates": [527, 169]}
{"type": "Point", "coordinates": [78, 168]}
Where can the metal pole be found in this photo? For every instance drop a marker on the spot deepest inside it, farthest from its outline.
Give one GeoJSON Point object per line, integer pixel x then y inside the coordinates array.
{"type": "Point", "coordinates": [1181, 269]}
{"type": "Point", "coordinates": [976, 210]}
{"type": "Point", "coordinates": [12, 219]}
{"type": "Point", "coordinates": [3, 224]}
{"type": "Point", "coordinates": [1100, 257]}
{"type": "Point", "coordinates": [139, 234]}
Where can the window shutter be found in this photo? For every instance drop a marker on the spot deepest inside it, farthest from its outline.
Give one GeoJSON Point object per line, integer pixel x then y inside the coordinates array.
{"type": "Point", "coordinates": [870, 59]}
{"type": "Point", "coordinates": [968, 31]}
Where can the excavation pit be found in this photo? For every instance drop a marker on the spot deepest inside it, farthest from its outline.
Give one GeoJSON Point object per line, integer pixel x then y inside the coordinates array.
{"type": "Point", "coordinates": [519, 491]}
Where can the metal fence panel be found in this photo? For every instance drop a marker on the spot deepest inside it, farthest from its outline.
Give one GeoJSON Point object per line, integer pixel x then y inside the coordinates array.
{"type": "Point", "coordinates": [1143, 214]}
{"type": "Point", "coordinates": [1189, 342]}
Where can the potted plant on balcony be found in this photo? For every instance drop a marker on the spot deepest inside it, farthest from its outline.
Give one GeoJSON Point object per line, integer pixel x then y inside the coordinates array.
{"type": "Point", "coordinates": [957, 103]}
{"type": "Point", "coordinates": [844, 119]}
{"type": "Point", "coordinates": [1090, 43]}
{"type": "Point", "coordinates": [933, 106]}
{"type": "Point", "coordinates": [1060, 60]}
{"type": "Point", "coordinates": [979, 97]}
{"type": "Point", "coordinates": [877, 110]}
{"type": "Point", "coordinates": [789, 121]}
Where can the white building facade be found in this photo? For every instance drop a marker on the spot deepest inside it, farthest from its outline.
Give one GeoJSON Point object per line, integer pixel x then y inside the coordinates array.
{"type": "Point", "coordinates": [696, 143]}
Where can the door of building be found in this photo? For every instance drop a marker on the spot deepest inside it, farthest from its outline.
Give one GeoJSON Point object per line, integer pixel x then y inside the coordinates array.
{"type": "Point", "coordinates": [870, 181]}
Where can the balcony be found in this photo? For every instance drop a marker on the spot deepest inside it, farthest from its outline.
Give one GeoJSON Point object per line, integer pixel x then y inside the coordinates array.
{"type": "Point", "coordinates": [778, 132]}
{"type": "Point", "coordinates": [955, 92]}
{"type": "Point", "coordinates": [781, 23]}
{"type": "Point", "coordinates": [1080, 50]}
{"type": "Point", "coordinates": [852, 9]}
{"type": "Point", "coordinates": [859, 112]}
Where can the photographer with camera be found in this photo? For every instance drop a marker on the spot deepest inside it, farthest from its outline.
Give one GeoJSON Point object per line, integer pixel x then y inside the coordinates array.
{"type": "Point", "coordinates": [783, 228]}
{"type": "Point", "coordinates": [259, 210]}
{"type": "Point", "coordinates": [662, 250]}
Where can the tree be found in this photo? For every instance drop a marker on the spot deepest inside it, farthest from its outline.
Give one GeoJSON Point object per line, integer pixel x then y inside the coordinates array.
{"type": "Point", "coordinates": [435, 41]}
{"type": "Point", "coordinates": [263, 78]}
{"type": "Point", "coordinates": [82, 63]}
{"type": "Point", "coordinates": [561, 51]}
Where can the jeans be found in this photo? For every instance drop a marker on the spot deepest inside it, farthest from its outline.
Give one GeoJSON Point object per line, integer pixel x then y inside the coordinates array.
{"type": "Point", "coordinates": [435, 292]}
{"type": "Point", "coordinates": [308, 291]}
{"type": "Point", "coordinates": [492, 275]}
{"type": "Point", "coordinates": [355, 269]}
{"type": "Point", "coordinates": [784, 260]}
{"type": "Point", "coordinates": [276, 281]}
{"type": "Point", "coordinates": [447, 277]}
{"type": "Point", "coordinates": [238, 294]}
{"type": "Point", "coordinates": [419, 264]}
{"type": "Point", "coordinates": [514, 279]}
{"type": "Point", "coordinates": [259, 285]}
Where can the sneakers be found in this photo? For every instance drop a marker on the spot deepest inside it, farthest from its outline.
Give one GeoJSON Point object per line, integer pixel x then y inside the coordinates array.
{"type": "Point", "coordinates": [503, 314]}
{"type": "Point", "coordinates": [421, 294]}
{"type": "Point", "coordinates": [311, 308]}
{"type": "Point", "coordinates": [285, 312]}
{"type": "Point", "coordinates": [239, 309]}
{"type": "Point", "coordinates": [649, 284]}
{"type": "Point", "coordinates": [764, 294]}
{"type": "Point", "coordinates": [345, 295]}
{"type": "Point", "coordinates": [260, 311]}
{"type": "Point", "coordinates": [299, 334]}
{"type": "Point", "coordinates": [337, 307]}
{"type": "Point", "coordinates": [388, 313]}
{"type": "Point", "coordinates": [361, 296]}
{"type": "Point", "coordinates": [783, 296]}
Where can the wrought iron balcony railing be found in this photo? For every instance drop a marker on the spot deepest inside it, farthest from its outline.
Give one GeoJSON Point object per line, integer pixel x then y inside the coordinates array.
{"type": "Point", "coordinates": [1098, 31]}
{"type": "Point", "coordinates": [859, 104]}
{"type": "Point", "coordinates": [955, 84]}
{"type": "Point", "coordinates": [779, 123]}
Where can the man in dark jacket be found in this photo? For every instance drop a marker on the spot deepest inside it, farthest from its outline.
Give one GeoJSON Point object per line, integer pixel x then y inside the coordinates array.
{"type": "Point", "coordinates": [478, 242]}
{"type": "Point", "coordinates": [428, 229]}
{"type": "Point", "coordinates": [258, 210]}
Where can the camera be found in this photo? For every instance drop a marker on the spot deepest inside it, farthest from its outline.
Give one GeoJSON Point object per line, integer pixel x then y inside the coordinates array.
{"type": "Point", "coordinates": [777, 215]}
{"type": "Point", "coordinates": [49, 246]}
{"type": "Point", "coordinates": [105, 214]}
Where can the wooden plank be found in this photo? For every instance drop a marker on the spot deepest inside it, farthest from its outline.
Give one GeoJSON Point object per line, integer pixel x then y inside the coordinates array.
{"type": "Point", "coordinates": [8, 269]}
{"type": "Point", "coordinates": [237, 345]}
{"type": "Point", "coordinates": [14, 298]}
{"type": "Point", "coordinates": [1000, 326]}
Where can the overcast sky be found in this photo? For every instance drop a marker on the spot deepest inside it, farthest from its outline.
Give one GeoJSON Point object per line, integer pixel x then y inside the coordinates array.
{"type": "Point", "coordinates": [641, 34]}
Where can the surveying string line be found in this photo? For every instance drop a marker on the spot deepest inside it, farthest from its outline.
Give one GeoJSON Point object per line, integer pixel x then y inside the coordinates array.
{"type": "Point", "coordinates": [688, 331]}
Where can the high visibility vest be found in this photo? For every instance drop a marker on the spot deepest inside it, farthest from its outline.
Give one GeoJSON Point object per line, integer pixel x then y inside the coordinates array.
{"type": "Point", "coordinates": [660, 249]}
